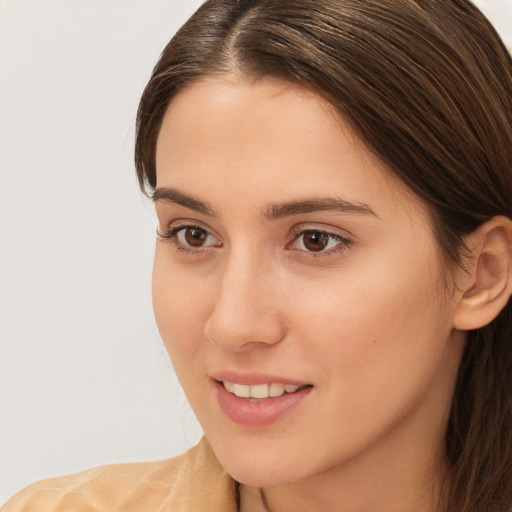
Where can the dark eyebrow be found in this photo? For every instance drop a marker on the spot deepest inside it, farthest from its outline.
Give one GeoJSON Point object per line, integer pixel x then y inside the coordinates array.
{"type": "Point", "coordinates": [172, 195]}
{"type": "Point", "coordinates": [274, 211]}
{"type": "Point", "coordinates": [325, 204]}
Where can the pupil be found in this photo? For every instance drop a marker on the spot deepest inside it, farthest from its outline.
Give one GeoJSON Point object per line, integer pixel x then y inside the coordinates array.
{"type": "Point", "coordinates": [315, 241]}
{"type": "Point", "coordinates": [195, 237]}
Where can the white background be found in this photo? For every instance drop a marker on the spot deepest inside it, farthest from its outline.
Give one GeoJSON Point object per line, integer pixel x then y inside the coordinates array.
{"type": "Point", "coordinates": [84, 379]}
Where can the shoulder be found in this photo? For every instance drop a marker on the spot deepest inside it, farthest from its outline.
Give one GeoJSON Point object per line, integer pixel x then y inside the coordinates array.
{"type": "Point", "coordinates": [194, 479]}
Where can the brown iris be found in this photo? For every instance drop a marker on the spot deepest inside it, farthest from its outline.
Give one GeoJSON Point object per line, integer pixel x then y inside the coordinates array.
{"type": "Point", "coordinates": [315, 241]}
{"type": "Point", "coordinates": [195, 237]}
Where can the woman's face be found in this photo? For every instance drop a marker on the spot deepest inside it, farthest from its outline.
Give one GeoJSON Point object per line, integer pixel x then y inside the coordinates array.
{"type": "Point", "coordinates": [290, 256]}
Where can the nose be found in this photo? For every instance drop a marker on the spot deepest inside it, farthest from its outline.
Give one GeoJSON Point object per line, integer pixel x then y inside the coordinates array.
{"type": "Point", "coordinates": [247, 312]}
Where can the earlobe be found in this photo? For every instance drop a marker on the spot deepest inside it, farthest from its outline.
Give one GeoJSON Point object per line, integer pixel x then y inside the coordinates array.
{"type": "Point", "coordinates": [487, 286]}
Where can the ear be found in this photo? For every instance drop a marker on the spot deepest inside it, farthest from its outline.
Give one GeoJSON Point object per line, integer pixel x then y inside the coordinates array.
{"type": "Point", "coordinates": [487, 286]}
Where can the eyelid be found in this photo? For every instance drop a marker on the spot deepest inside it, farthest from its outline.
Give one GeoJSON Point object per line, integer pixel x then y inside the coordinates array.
{"type": "Point", "coordinates": [184, 223]}
{"type": "Point", "coordinates": [323, 228]}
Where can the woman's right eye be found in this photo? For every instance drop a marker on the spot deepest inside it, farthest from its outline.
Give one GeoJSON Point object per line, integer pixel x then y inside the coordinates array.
{"type": "Point", "coordinates": [190, 237]}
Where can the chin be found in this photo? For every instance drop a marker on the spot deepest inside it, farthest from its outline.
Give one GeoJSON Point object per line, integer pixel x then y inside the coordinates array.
{"type": "Point", "coordinates": [261, 477]}
{"type": "Point", "coordinates": [259, 465]}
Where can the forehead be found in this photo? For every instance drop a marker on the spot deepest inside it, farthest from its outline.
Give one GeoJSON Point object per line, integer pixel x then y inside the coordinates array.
{"type": "Point", "coordinates": [257, 109]}
{"type": "Point", "coordinates": [266, 139]}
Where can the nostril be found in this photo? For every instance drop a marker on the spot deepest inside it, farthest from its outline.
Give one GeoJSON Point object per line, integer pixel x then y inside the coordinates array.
{"type": "Point", "coordinates": [243, 331]}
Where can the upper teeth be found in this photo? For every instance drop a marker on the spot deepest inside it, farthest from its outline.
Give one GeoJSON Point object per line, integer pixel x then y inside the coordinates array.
{"type": "Point", "coordinates": [259, 390]}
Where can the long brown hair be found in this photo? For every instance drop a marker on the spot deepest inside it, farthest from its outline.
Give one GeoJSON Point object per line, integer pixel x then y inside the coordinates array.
{"type": "Point", "coordinates": [427, 85]}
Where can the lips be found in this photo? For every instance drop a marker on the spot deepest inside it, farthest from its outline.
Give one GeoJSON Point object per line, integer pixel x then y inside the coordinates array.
{"type": "Point", "coordinates": [256, 400]}
{"type": "Point", "coordinates": [253, 378]}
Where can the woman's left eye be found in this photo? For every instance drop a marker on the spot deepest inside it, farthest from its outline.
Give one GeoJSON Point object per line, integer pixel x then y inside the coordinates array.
{"type": "Point", "coordinates": [318, 242]}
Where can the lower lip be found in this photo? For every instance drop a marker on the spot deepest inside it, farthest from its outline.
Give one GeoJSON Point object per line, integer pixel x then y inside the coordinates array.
{"type": "Point", "coordinates": [259, 413]}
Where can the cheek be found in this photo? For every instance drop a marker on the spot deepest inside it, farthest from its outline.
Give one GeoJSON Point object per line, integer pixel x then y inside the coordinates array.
{"type": "Point", "coordinates": [379, 345]}
{"type": "Point", "coordinates": [384, 321]}
{"type": "Point", "coordinates": [181, 305]}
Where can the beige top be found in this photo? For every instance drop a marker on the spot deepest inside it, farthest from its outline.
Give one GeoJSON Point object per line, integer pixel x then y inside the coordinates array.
{"type": "Point", "coordinates": [192, 482]}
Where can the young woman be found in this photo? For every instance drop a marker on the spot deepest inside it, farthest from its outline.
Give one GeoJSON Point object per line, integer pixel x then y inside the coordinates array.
{"type": "Point", "coordinates": [333, 266]}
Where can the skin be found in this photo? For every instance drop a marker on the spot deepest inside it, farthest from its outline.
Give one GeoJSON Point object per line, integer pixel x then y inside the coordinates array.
{"type": "Point", "coordinates": [368, 321]}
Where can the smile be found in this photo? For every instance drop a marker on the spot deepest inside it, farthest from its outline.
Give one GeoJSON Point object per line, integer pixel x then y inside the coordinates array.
{"type": "Point", "coordinates": [257, 400]}
{"type": "Point", "coordinates": [260, 391]}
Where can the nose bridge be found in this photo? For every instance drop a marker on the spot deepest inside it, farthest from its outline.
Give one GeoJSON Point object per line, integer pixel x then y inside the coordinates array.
{"type": "Point", "coordinates": [245, 311]}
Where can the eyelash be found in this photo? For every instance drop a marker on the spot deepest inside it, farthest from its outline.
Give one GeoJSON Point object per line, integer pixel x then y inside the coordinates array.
{"type": "Point", "coordinates": [171, 236]}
